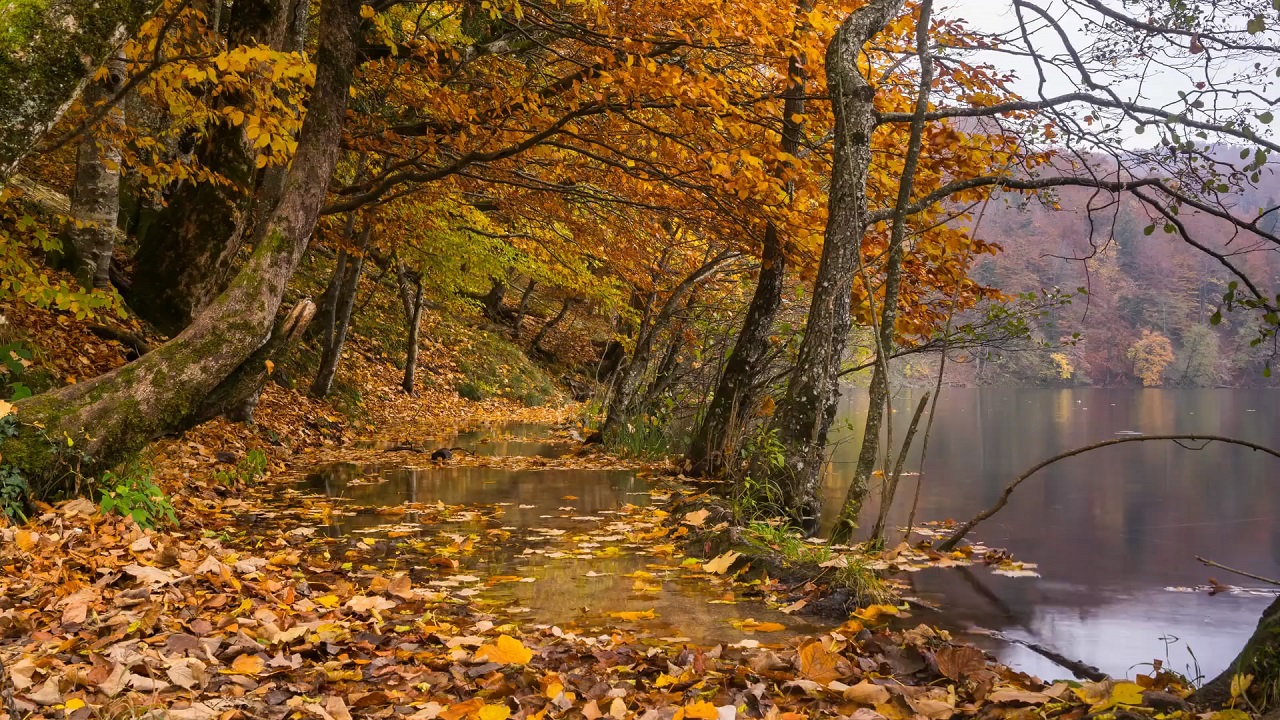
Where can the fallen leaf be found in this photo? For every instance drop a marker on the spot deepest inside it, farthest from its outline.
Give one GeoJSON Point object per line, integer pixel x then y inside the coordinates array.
{"type": "Point", "coordinates": [701, 711]}
{"type": "Point", "coordinates": [247, 665]}
{"type": "Point", "coordinates": [958, 662]}
{"type": "Point", "coordinates": [721, 563]}
{"type": "Point", "coordinates": [819, 664]}
{"type": "Point", "coordinates": [506, 651]}
{"type": "Point", "coordinates": [697, 517]}
{"type": "Point", "coordinates": [634, 615]}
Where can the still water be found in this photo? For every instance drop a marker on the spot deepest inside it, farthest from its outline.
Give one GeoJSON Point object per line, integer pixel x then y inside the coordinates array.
{"type": "Point", "coordinates": [1115, 532]}
{"type": "Point", "coordinates": [1112, 530]}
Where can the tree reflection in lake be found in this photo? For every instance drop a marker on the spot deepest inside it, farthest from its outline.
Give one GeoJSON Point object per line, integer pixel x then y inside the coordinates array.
{"type": "Point", "coordinates": [1111, 529]}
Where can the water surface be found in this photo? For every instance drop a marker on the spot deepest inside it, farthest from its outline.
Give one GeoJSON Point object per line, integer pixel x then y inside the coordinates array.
{"type": "Point", "coordinates": [1111, 529]}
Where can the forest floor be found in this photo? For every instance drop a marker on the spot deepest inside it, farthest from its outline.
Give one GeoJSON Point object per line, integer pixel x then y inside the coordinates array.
{"type": "Point", "coordinates": [254, 604]}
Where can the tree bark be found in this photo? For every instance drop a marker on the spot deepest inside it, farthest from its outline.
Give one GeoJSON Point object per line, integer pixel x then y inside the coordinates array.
{"type": "Point", "coordinates": [344, 301]}
{"type": "Point", "coordinates": [493, 300]}
{"type": "Point", "coordinates": [523, 308]}
{"type": "Point", "coordinates": [630, 372]}
{"type": "Point", "coordinates": [62, 44]}
{"type": "Point", "coordinates": [536, 346]}
{"type": "Point", "coordinates": [237, 396]}
{"type": "Point", "coordinates": [716, 436]}
{"type": "Point", "coordinates": [187, 250]}
{"type": "Point", "coordinates": [813, 391]}
{"type": "Point", "coordinates": [879, 401]}
{"type": "Point", "coordinates": [90, 236]}
{"type": "Point", "coordinates": [891, 481]}
{"type": "Point", "coordinates": [83, 429]}
{"type": "Point", "coordinates": [409, 384]}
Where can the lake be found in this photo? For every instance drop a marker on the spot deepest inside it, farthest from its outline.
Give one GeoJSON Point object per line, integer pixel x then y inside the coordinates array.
{"type": "Point", "coordinates": [1116, 531]}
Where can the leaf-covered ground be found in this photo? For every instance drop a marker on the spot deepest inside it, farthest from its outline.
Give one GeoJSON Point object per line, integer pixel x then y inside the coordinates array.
{"type": "Point", "coordinates": [250, 609]}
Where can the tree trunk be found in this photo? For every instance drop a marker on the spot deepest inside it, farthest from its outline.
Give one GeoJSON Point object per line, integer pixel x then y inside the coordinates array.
{"type": "Point", "coordinates": [187, 250]}
{"type": "Point", "coordinates": [715, 438]}
{"type": "Point", "coordinates": [536, 346]}
{"type": "Point", "coordinates": [83, 429]}
{"type": "Point", "coordinates": [525, 297]}
{"type": "Point", "coordinates": [1259, 658]}
{"type": "Point", "coordinates": [493, 301]}
{"type": "Point", "coordinates": [237, 396]}
{"type": "Point", "coordinates": [295, 37]}
{"type": "Point", "coordinates": [879, 405]}
{"type": "Point", "coordinates": [630, 372]}
{"type": "Point", "coordinates": [344, 301]}
{"type": "Point", "coordinates": [814, 388]}
{"type": "Point", "coordinates": [409, 383]}
{"type": "Point", "coordinates": [90, 236]}
{"type": "Point", "coordinates": [63, 43]}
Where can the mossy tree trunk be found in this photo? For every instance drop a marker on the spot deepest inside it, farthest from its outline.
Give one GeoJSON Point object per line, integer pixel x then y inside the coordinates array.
{"type": "Point", "coordinates": [90, 235]}
{"type": "Point", "coordinates": [806, 412]}
{"type": "Point", "coordinates": [1259, 658]}
{"type": "Point", "coordinates": [49, 50]}
{"type": "Point", "coordinates": [85, 428]}
{"type": "Point", "coordinates": [187, 250]}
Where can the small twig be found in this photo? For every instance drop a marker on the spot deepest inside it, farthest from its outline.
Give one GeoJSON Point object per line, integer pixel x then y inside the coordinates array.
{"type": "Point", "coordinates": [1220, 566]}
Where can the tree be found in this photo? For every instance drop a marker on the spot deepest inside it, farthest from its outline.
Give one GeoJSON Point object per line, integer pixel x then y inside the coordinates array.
{"type": "Point", "coordinates": [88, 427]}
{"type": "Point", "coordinates": [1198, 361]}
{"type": "Point", "coordinates": [48, 53]}
{"type": "Point", "coordinates": [1151, 354]}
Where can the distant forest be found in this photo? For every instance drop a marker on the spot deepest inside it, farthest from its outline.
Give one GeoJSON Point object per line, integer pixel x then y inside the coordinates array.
{"type": "Point", "coordinates": [1153, 314]}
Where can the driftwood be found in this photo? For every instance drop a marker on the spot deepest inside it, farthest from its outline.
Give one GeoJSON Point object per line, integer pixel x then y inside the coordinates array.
{"type": "Point", "coordinates": [951, 542]}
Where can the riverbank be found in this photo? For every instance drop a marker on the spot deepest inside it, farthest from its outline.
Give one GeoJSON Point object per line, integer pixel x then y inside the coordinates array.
{"type": "Point", "coordinates": [252, 607]}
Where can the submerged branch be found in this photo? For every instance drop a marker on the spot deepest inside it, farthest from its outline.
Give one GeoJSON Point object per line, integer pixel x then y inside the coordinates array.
{"type": "Point", "coordinates": [964, 529]}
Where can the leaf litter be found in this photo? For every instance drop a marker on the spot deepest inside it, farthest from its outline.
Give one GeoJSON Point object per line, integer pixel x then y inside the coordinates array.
{"type": "Point", "coordinates": [253, 610]}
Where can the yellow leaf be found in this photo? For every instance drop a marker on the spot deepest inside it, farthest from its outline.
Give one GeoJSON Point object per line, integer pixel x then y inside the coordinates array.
{"type": "Point", "coordinates": [506, 651]}
{"type": "Point", "coordinates": [247, 665]}
{"type": "Point", "coordinates": [73, 704]}
{"type": "Point", "coordinates": [873, 613]}
{"type": "Point", "coordinates": [720, 564]}
{"type": "Point", "coordinates": [366, 11]}
{"type": "Point", "coordinates": [701, 711]}
{"type": "Point", "coordinates": [1239, 684]}
{"type": "Point", "coordinates": [494, 712]}
{"type": "Point", "coordinates": [329, 601]}
{"type": "Point", "coordinates": [634, 615]}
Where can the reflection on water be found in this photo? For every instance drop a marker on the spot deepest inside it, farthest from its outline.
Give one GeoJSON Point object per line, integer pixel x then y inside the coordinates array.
{"type": "Point", "coordinates": [491, 440]}
{"type": "Point", "coordinates": [1110, 529]}
{"type": "Point", "coordinates": [579, 502]}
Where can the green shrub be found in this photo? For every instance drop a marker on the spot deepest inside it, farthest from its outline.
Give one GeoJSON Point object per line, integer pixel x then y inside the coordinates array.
{"type": "Point", "coordinates": [13, 494]}
{"type": "Point", "coordinates": [251, 467]}
{"type": "Point", "coordinates": [134, 494]}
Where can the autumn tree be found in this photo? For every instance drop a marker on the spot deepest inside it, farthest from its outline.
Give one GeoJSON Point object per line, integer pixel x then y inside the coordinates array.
{"type": "Point", "coordinates": [1151, 355]}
